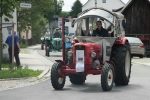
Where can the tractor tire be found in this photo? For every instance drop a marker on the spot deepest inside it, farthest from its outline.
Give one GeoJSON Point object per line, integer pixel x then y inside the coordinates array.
{"type": "Point", "coordinates": [77, 79]}
{"type": "Point", "coordinates": [42, 47]}
{"type": "Point", "coordinates": [58, 78]}
{"type": "Point", "coordinates": [141, 56]}
{"type": "Point", "coordinates": [47, 52]}
{"type": "Point", "coordinates": [121, 56]}
{"type": "Point", "coordinates": [66, 56]}
{"type": "Point", "coordinates": [107, 77]}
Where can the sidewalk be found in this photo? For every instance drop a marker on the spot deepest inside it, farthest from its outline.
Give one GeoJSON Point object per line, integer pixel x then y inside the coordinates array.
{"type": "Point", "coordinates": [143, 61]}
{"type": "Point", "coordinates": [29, 57]}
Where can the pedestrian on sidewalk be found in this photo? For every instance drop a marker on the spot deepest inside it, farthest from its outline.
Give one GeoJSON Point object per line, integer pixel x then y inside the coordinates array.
{"type": "Point", "coordinates": [16, 48]}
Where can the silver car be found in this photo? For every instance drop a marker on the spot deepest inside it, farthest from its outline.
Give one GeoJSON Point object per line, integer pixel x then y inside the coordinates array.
{"type": "Point", "coordinates": [137, 47]}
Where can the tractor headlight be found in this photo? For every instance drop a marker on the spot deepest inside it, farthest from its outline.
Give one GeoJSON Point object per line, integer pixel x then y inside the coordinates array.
{"type": "Point", "coordinates": [93, 54]}
{"type": "Point", "coordinates": [42, 38]}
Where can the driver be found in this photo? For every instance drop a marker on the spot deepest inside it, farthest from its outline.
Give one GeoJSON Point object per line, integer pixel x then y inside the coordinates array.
{"type": "Point", "coordinates": [100, 31]}
{"type": "Point", "coordinates": [56, 34]}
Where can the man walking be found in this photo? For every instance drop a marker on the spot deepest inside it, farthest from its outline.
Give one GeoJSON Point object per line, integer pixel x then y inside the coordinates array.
{"type": "Point", "coordinates": [16, 48]}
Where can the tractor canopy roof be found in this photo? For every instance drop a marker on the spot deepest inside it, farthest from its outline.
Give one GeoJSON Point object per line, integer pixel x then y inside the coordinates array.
{"type": "Point", "coordinates": [100, 12]}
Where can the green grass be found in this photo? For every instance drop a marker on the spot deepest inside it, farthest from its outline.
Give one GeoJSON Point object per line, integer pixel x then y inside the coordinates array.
{"type": "Point", "coordinates": [6, 73]}
{"type": "Point", "coordinates": [23, 45]}
{"type": "Point", "coordinates": [19, 73]}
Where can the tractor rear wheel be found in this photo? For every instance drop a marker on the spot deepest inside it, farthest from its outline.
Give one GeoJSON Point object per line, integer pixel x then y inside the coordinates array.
{"type": "Point", "coordinates": [107, 77]}
{"type": "Point", "coordinates": [58, 78]}
{"type": "Point", "coordinates": [77, 79]}
{"type": "Point", "coordinates": [121, 56]}
{"type": "Point", "coordinates": [47, 51]}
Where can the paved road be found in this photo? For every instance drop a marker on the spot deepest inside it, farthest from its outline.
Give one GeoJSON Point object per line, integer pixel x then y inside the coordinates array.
{"type": "Point", "coordinates": [138, 88]}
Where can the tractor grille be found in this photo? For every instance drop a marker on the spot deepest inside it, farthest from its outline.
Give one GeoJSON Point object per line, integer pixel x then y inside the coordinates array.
{"type": "Point", "coordinates": [58, 43]}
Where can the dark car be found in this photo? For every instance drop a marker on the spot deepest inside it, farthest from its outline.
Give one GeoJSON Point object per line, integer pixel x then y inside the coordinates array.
{"type": "Point", "coordinates": [137, 47]}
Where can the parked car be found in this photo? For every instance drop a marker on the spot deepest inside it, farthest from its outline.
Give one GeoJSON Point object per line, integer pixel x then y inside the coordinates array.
{"type": "Point", "coordinates": [137, 47]}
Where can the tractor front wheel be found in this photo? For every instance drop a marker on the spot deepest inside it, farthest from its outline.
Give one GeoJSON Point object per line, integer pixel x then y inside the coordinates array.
{"type": "Point", "coordinates": [107, 77]}
{"type": "Point", "coordinates": [58, 78]}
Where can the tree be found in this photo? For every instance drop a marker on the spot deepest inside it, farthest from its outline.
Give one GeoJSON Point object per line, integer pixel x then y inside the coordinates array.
{"type": "Point", "coordinates": [6, 6]}
{"type": "Point", "coordinates": [64, 14]}
{"type": "Point", "coordinates": [57, 6]}
{"type": "Point", "coordinates": [76, 8]}
{"type": "Point", "coordinates": [28, 17]}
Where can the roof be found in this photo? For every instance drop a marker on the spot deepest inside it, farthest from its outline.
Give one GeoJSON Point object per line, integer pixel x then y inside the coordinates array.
{"type": "Point", "coordinates": [93, 0]}
{"type": "Point", "coordinates": [117, 14]}
{"type": "Point", "coordinates": [129, 2]}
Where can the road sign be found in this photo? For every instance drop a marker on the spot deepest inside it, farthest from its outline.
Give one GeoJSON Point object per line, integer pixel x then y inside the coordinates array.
{"type": "Point", "coordinates": [25, 5]}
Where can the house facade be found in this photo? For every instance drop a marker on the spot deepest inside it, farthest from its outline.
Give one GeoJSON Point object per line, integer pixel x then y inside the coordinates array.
{"type": "Point", "coordinates": [107, 4]}
{"type": "Point", "coordinates": [68, 28]}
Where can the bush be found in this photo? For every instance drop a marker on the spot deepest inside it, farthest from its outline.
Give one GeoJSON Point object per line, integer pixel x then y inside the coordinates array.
{"type": "Point", "coordinates": [5, 60]}
{"type": "Point", "coordinates": [23, 45]}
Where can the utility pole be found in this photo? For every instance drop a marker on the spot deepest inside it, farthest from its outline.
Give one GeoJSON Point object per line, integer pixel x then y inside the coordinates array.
{"type": "Point", "coordinates": [12, 64]}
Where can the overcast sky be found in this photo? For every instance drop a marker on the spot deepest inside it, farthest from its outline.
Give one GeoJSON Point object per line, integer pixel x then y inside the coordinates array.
{"type": "Point", "coordinates": [68, 4]}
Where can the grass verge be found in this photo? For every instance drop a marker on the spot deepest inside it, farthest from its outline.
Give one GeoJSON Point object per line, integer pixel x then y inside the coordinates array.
{"type": "Point", "coordinates": [6, 73]}
{"type": "Point", "coordinates": [19, 73]}
{"type": "Point", "coordinates": [23, 45]}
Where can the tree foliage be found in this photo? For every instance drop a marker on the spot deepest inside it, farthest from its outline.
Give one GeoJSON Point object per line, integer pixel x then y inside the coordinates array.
{"type": "Point", "coordinates": [64, 14]}
{"type": "Point", "coordinates": [6, 7]}
{"type": "Point", "coordinates": [57, 8]}
{"type": "Point", "coordinates": [76, 8]}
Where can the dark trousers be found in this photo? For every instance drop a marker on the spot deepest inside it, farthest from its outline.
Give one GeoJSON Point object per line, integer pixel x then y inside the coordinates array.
{"type": "Point", "coordinates": [16, 55]}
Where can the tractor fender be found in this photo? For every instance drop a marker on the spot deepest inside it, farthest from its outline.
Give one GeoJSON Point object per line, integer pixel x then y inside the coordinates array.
{"type": "Point", "coordinates": [111, 62]}
{"type": "Point", "coordinates": [121, 40]}
{"type": "Point", "coordinates": [60, 61]}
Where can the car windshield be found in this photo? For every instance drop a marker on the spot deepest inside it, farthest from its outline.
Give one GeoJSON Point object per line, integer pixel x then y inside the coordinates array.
{"type": "Point", "coordinates": [134, 40]}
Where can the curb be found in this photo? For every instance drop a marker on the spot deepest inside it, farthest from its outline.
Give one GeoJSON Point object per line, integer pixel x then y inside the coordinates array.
{"type": "Point", "coordinates": [46, 62]}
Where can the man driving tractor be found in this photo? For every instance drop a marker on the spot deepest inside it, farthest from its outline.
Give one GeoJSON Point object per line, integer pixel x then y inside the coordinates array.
{"type": "Point", "coordinates": [57, 34]}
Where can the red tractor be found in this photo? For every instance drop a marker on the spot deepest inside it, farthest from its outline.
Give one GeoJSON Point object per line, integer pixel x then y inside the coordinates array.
{"type": "Point", "coordinates": [109, 57]}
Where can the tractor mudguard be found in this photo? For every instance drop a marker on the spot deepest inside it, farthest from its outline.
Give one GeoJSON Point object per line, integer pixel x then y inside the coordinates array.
{"type": "Point", "coordinates": [60, 61]}
{"type": "Point", "coordinates": [121, 40]}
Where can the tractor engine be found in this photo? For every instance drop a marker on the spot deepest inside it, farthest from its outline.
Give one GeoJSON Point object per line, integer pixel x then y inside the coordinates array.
{"type": "Point", "coordinates": [86, 54]}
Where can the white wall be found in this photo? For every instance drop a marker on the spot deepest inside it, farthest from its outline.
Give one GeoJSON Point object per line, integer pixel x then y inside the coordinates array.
{"type": "Point", "coordinates": [68, 24]}
{"type": "Point", "coordinates": [5, 31]}
{"type": "Point", "coordinates": [109, 5]}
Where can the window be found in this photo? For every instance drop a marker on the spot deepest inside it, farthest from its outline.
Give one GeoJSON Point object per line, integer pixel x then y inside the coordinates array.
{"type": "Point", "coordinates": [103, 1]}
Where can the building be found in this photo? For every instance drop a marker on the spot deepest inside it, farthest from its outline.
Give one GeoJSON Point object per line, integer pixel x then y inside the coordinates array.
{"type": "Point", "coordinates": [137, 14]}
{"type": "Point", "coordinates": [107, 4]}
{"type": "Point", "coordinates": [68, 27]}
